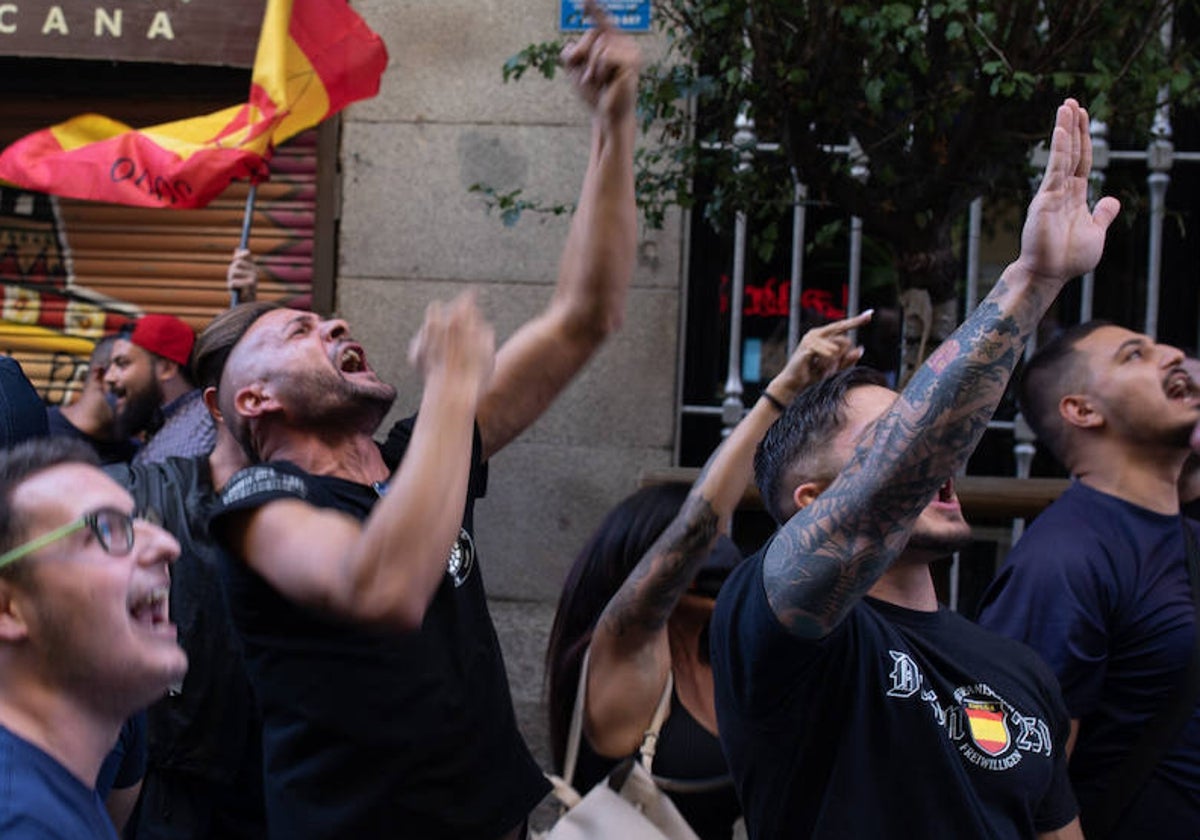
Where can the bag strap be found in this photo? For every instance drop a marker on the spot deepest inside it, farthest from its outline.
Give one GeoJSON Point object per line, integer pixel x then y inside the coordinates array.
{"type": "Point", "coordinates": [1127, 781]}
{"type": "Point", "coordinates": [575, 733]}
{"type": "Point", "coordinates": [650, 737]}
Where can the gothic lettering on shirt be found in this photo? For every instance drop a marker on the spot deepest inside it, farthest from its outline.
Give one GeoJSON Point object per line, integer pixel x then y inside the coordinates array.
{"type": "Point", "coordinates": [985, 728]}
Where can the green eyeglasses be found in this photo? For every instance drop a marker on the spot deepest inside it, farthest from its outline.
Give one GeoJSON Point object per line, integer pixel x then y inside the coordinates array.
{"type": "Point", "coordinates": [113, 530]}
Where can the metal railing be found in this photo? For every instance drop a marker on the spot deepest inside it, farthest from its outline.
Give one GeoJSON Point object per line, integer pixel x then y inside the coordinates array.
{"type": "Point", "coordinates": [1159, 157]}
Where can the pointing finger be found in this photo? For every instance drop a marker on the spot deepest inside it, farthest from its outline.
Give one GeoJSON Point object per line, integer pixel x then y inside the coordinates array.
{"type": "Point", "coordinates": [847, 324]}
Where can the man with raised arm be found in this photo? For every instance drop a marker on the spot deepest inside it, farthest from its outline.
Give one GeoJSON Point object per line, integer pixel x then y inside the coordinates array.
{"type": "Point", "coordinates": [645, 632]}
{"type": "Point", "coordinates": [850, 704]}
{"type": "Point", "coordinates": [90, 417]}
{"type": "Point", "coordinates": [353, 581]}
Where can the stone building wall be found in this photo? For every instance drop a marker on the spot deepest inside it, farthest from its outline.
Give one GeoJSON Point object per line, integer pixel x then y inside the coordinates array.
{"type": "Point", "coordinates": [412, 232]}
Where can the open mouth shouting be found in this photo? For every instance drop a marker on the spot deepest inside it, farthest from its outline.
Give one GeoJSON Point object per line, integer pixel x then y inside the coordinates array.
{"type": "Point", "coordinates": [149, 610]}
{"type": "Point", "coordinates": [351, 358]}
{"type": "Point", "coordinates": [1178, 385]}
{"type": "Point", "coordinates": [946, 497]}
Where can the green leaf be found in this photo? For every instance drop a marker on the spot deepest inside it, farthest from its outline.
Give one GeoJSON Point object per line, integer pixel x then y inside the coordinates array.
{"type": "Point", "coordinates": [940, 113]}
{"type": "Point", "coordinates": [874, 93]}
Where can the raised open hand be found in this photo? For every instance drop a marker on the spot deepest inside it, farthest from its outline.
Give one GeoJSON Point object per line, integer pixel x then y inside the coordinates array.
{"type": "Point", "coordinates": [1063, 237]}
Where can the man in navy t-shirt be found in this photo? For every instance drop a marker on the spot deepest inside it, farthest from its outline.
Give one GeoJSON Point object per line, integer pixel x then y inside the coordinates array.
{"type": "Point", "coordinates": [850, 704]}
{"type": "Point", "coordinates": [1099, 582]}
{"type": "Point", "coordinates": [85, 639]}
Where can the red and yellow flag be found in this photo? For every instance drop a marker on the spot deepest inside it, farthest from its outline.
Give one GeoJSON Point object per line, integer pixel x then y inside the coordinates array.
{"type": "Point", "coordinates": [314, 58]}
{"type": "Point", "coordinates": [988, 728]}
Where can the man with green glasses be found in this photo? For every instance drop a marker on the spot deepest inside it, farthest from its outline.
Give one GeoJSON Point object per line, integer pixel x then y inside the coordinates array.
{"type": "Point", "coordinates": [85, 638]}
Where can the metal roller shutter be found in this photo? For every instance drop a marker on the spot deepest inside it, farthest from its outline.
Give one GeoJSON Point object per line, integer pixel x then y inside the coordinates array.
{"type": "Point", "coordinates": [73, 270]}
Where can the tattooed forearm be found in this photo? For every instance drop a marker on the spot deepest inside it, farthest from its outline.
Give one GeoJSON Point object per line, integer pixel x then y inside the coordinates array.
{"type": "Point", "coordinates": [645, 601]}
{"type": "Point", "coordinates": [831, 553]}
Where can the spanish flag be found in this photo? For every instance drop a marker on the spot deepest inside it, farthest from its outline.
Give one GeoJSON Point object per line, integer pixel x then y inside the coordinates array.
{"type": "Point", "coordinates": [314, 58]}
{"type": "Point", "coordinates": [988, 728]}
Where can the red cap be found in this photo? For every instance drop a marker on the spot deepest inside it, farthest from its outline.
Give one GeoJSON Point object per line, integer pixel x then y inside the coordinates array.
{"type": "Point", "coordinates": [164, 335]}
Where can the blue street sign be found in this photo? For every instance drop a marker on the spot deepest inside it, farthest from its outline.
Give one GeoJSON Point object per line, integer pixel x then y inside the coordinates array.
{"type": "Point", "coordinates": [630, 15]}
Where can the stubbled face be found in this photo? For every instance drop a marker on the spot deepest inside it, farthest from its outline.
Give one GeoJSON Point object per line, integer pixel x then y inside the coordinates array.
{"type": "Point", "coordinates": [97, 623]}
{"type": "Point", "coordinates": [1140, 388]}
{"type": "Point", "coordinates": [940, 528]}
{"type": "Point", "coordinates": [318, 373]}
{"type": "Point", "coordinates": [132, 382]}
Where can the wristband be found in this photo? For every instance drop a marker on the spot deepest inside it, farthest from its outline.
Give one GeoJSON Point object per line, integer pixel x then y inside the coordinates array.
{"type": "Point", "coordinates": [773, 400]}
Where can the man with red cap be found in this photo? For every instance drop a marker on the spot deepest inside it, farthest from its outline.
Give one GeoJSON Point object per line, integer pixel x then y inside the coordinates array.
{"type": "Point", "coordinates": [149, 376]}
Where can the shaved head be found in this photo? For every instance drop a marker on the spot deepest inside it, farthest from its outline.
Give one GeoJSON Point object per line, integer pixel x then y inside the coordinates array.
{"type": "Point", "coordinates": [293, 369]}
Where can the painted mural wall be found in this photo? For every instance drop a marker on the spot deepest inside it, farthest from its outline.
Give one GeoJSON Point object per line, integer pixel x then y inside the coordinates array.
{"type": "Point", "coordinates": [73, 271]}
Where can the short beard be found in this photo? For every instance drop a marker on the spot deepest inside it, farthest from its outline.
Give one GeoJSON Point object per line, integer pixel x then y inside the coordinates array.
{"type": "Point", "coordinates": [943, 544]}
{"type": "Point", "coordinates": [339, 404]}
{"type": "Point", "coordinates": [142, 413]}
{"type": "Point", "coordinates": [1183, 440]}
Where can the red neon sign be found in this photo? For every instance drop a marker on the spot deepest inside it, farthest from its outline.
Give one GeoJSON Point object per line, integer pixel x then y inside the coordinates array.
{"type": "Point", "coordinates": [772, 297]}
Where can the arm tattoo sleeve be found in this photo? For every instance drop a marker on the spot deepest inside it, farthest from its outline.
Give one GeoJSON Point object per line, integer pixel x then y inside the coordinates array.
{"type": "Point", "coordinates": [829, 554]}
{"type": "Point", "coordinates": [644, 602]}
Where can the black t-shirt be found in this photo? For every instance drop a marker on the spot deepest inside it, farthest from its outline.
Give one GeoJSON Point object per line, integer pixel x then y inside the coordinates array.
{"type": "Point", "coordinates": [208, 726]}
{"type": "Point", "coordinates": [688, 765]}
{"type": "Point", "coordinates": [108, 451]}
{"type": "Point", "coordinates": [898, 724]}
{"type": "Point", "coordinates": [374, 734]}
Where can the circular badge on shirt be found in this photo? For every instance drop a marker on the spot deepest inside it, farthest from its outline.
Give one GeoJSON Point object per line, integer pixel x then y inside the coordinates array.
{"type": "Point", "coordinates": [462, 558]}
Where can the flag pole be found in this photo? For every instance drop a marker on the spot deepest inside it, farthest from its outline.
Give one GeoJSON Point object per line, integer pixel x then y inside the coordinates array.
{"type": "Point", "coordinates": [247, 218]}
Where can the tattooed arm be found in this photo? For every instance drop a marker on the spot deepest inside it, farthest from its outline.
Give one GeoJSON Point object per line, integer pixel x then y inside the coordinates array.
{"type": "Point", "coordinates": [830, 553]}
{"type": "Point", "coordinates": [630, 654]}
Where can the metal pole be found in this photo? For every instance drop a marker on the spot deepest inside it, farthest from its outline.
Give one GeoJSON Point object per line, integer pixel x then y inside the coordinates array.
{"type": "Point", "coordinates": [974, 234]}
{"type": "Point", "coordinates": [854, 282]}
{"type": "Point", "coordinates": [860, 171]}
{"type": "Point", "coordinates": [1157, 183]}
{"type": "Point", "coordinates": [1159, 157]}
{"type": "Point", "coordinates": [796, 286]}
{"type": "Point", "coordinates": [244, 242]}
{"type": "Point", "coordinates": [733, 407]}
{"type": "Point", "coordinates": [1100, 149]}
